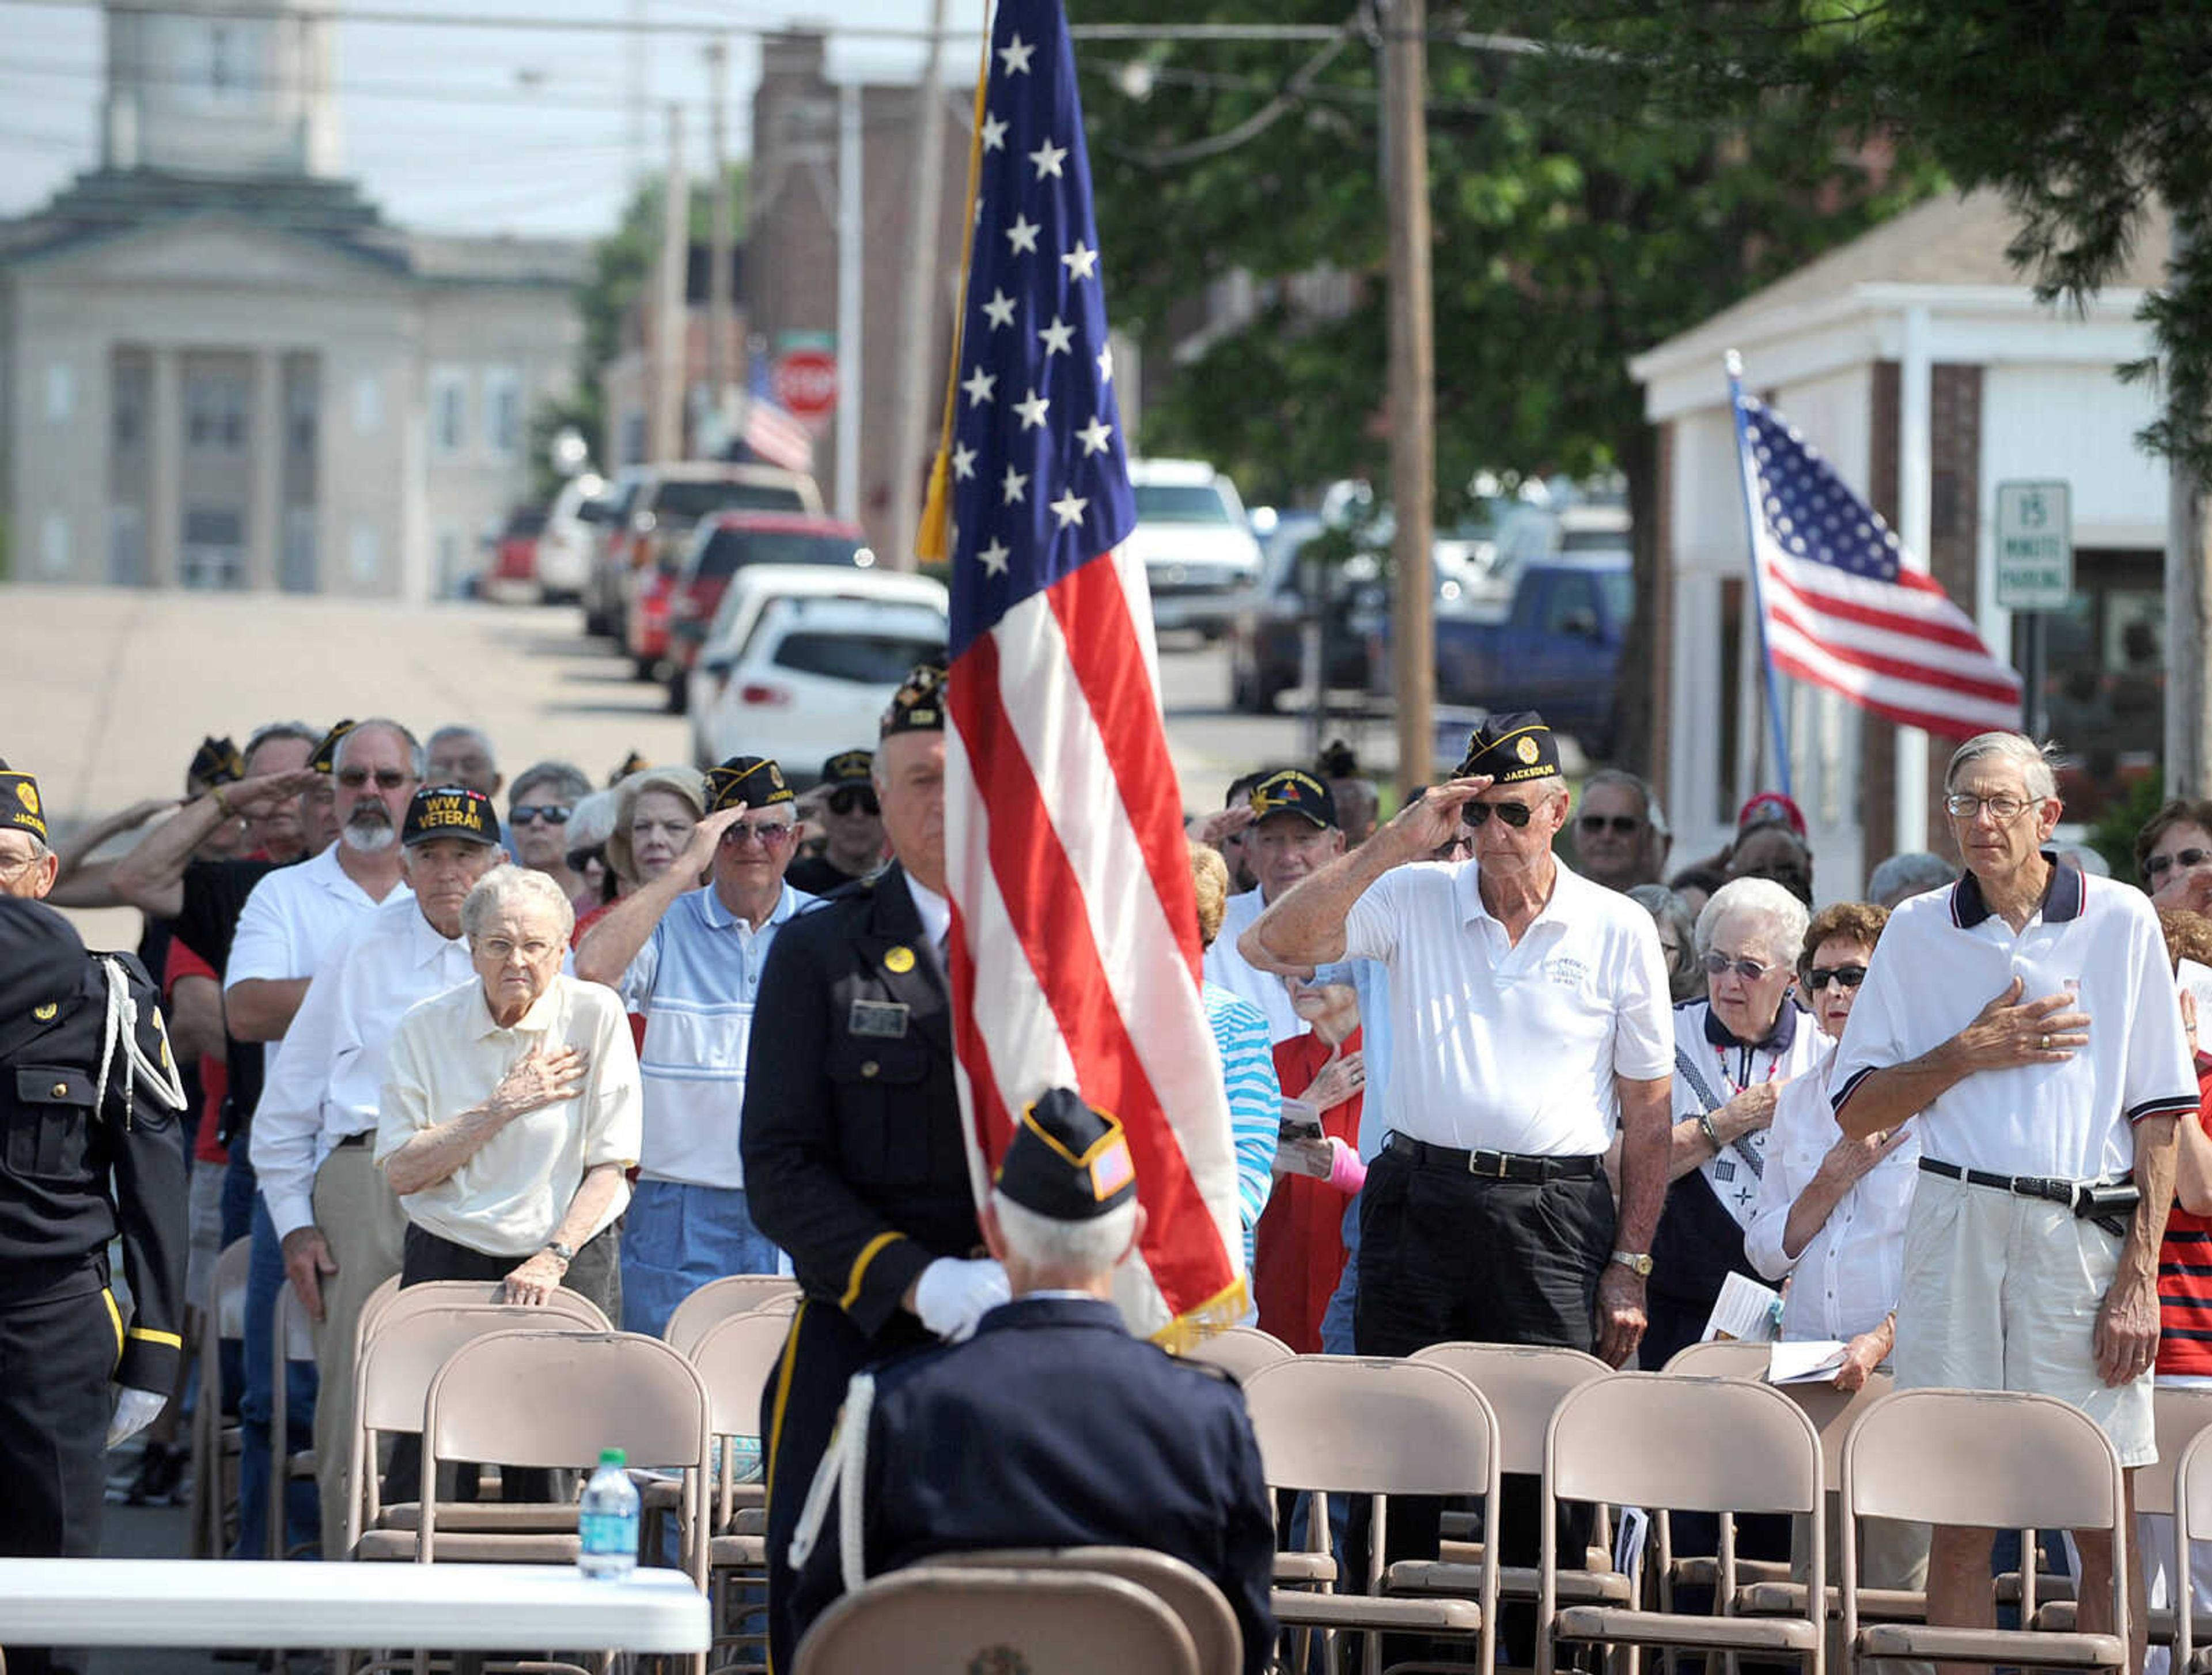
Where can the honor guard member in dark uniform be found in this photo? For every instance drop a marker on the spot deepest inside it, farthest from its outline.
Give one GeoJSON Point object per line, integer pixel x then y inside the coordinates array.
{"type": "Point", "coordinates": [1052, 1426]}
{"type": "Point", "coordinates": [855, 1161]}
{"type": "Point", "coordinates": [89, 1146]}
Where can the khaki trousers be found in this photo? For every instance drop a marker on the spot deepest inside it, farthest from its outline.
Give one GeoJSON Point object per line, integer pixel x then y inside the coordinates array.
{"type": "Point", "coordinates": [1891, 1555]}
{"type": "Point", "coordinates": [362, 1223]}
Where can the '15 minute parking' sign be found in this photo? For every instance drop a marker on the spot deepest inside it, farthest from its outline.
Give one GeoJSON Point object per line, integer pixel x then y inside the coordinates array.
{"type": "Point", "coordinates": [2035, 545]}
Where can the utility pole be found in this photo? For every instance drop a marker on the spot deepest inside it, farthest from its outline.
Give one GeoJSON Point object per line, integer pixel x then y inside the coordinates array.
{"type": "Point", "coordinates": [2188, 612]}
{"type": "Point", "coordinates": [849, 302]}
{"type": "Point", "coordinates": [721, 319]}
{"type": "Point", "coordinates": [669, 324]}
{"type": "Point", "coordinates": [920, 304]}
{"type": "Point", "coordinates": [1412, 382]}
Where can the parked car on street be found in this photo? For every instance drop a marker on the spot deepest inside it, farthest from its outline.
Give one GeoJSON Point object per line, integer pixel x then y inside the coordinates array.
{"type": "Point", "coordinates": [1196, 544]}
{"type": "Point", "coordinates": [566, 544]}
{"type": "Point", "coordinates": [801, 660]}
{"type": "Point", "coordinates": [654, 509]}
{"type": "Point", "coordinates": [513, 572]}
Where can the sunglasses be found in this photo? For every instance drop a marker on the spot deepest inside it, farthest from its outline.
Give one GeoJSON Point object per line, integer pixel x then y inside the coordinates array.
{"type": "Point", "coordinates": [770, 835]}
{"type": "Point", "coordinates": [1515, 814]}
{"type": "Point", "coordinates": [847, 800]}
{"type": "Point", "coordinates": [1821, 976]}
{"type": "Point", "coordinates": [1749, 970]}
{"type": "Point", "coordinates": [2159, 864]}
{"type": "Point", "coordinates": [553, 814]}
{"type": "Point", "coordinates": [1621, 826]}
{"type": "Point", "coordinates": [387, 779]}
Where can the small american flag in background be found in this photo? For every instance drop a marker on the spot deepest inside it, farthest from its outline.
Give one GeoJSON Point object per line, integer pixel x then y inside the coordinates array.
{"type": "Point", "coordinates": [1075, 957]}
{"type": "Point", "coordinates": [1843, 611]}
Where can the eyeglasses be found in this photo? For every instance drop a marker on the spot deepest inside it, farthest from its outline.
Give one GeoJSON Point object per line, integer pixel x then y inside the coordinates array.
{"type": "Point", "coordinates": [387, 779]}
{"type": "Point", "coordinates": [1621, 826]}
{"type": "Point", "coordinates": [553, 814]}
{"type": "Point", "coordinates": [1749, 970]}
{"type": "Point", "coordinates": [1966, 805]}
{"type": "Point", "coordinates": [1821, 976]}
{"type": "Point", "coordinates": [14, 867]}
{"type": "Point", "coordinates": [499, 948]}
{"type": "Point", "coordinates": [852, 797]}
{"type": "Point", "coordinates": [769, 834]}
{"type": "Point", "coordinates": [1515, 814]}
{"type": "Point", "coordinates": [2185, 859]}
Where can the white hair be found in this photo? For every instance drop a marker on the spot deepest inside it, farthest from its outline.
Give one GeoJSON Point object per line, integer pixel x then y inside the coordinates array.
{"type": "Point", "coordinates": [1904, 876]}
{"type": "Point", "coordinates": [1041, 1241]}
{"type": "Point", "coordinates": [1781, 918]}
{"type": "Point", "coordinates": [2033, 761]}
{"type": "Point", "coordinates": [475, 735]}
{"type": "Point", "coordinates": [591, 821]}
{"type": "Point", "coordinates": [508, 882]}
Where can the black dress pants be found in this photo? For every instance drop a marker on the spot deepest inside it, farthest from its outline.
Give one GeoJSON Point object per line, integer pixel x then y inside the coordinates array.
{"type": "Point", "coordinates": [1448, 1257]}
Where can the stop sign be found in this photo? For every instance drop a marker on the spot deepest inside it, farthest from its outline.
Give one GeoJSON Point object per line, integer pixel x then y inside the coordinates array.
{"type": "Point", "coordinates": [804, 382]}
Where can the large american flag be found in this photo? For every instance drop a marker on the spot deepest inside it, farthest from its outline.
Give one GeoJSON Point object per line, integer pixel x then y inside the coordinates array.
{"type": "Point", "coordinates": [1844, 611]}
{"type": "Point", "coordinates": [1075, 956]}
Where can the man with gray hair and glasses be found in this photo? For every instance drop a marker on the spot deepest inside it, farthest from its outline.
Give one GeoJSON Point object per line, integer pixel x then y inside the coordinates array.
{"type": "Point", "coordinates": [2024, 1021]}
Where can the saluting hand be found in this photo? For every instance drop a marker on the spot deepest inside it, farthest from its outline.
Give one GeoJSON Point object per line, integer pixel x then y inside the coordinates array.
{"type": "Point", "coordinates": [1211, 829]}
{"type": "Point", "coordinates": [1433, 819]}
{"type": "Point", "coordinates": [266, 792]}
{"type": "Point", "coordinates": [706, 838]}
{"type": "Point", "coordinates": [2010, 1031]}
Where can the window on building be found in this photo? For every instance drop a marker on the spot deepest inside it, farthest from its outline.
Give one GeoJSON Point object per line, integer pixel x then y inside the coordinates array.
{"type": "Point", "coordinates": [54, 544]}
{"type": "Point", "coordinates": [449, 411]}
{"type": "Point", "coordinates": [131, 393]}
{"type": "Point", "coordinates": [61, 392]}
{"type": "Point", "coordinates": [215, 406]}
{"type": "Point", "coordinates": [504, 413]}
{"type": "Point", "coordinates": [362, 555]}
{"type": "Point", "coordinates": [126, 546]}
{"type": "Point", "coordinates": [367, 407]}
{"type": "Point", "coordinates": [213, 555]}
{"type": "Point", "coordinates": [300, 393]}
{"type": "Point", "coordinates": [295, 562]}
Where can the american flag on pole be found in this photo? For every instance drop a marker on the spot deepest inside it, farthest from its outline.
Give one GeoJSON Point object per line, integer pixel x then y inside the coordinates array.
{"type": "Point", "coordinates": [1075, 956]}
{"type": "Point", "coordinates": [1842, 609]}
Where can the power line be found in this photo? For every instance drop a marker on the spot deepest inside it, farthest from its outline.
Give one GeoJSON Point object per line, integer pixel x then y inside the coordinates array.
{"type": "Point", "coordinates": [446, 94]}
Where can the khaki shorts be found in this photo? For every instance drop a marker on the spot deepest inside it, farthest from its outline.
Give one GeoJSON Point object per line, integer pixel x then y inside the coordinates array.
{"type": "Point", "coordinates": [2002, 1292]}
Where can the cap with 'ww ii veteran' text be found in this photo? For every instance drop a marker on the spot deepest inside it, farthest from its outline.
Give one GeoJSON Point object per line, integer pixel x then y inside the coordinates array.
{"type": "Point", "coordinates": [449, 811]}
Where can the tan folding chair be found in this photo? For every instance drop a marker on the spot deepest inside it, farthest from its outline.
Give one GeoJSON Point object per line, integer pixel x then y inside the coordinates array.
{"type": "Point", "coordinates": [372, 1307]}
{"type": "Point", "coordinates": [1660, 1440]}
{"type": "Point", "coordinates": [289, 1340]}
{"type": "Point", "coordinates": [783, 1307]}
{"type": "Point", "coordinates": [216, 1440]}
{"type": "Point", "coordinates": [1187, 1592]}
{"type": "Point", "coordinates": [2192, 1521]}
{"type": "Point", "coordinates": [1720, 1358]}
{"type": "Point", "coordinates": [1523, 1384]}
{"type": "Point", "coordinates": [1368, 1425]}
{"type": "Point", "coordinates": [1240, 1351]}
{"type": "Point", "coordinates": [735, 1358]}
{"type": "Point", "coordinates": [943, 1620]}
{"type": "Point", "coordinates": [1995, 1460]}
{"type": "Point", "coordinates": [718, 1300]}
{"type": "Point", "coordinates": [564, 1305]}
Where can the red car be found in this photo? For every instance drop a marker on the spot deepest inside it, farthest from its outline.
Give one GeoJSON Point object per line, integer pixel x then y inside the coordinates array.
{"type": "Point", "coordinates": [677, 607]}
{"type": "Point", "coordinates": [514, 555]}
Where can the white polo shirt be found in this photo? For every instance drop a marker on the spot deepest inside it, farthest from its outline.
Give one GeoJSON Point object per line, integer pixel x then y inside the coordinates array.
{"type": "Point", "coordinates": [1227, 968]}
{"type": "Point", "coordinates": [1513, 1047]}
{"type": "Point", "coordinates": [326, 1074]}
{"type": "Point", "coordinates": [1945, 955]}
{"type": "Point", "coordinates": [289, 921]}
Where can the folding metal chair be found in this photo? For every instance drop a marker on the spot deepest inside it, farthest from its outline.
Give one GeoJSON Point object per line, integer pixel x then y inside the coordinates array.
{"type": "Point", "coordinates": [1190, 1595]}
{"type": "Point", "coordinates": [945, 1620]}
{"type": "Point", "coordinates": [216, 1439]}
{"type": "Point", "coordinates": [1240, 1351]}
{"type": "Point", "coordinates": [718, 1300]}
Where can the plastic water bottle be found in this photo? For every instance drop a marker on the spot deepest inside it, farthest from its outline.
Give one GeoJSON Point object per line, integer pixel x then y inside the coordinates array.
{"type": "Point", "coordinates": [606, 1521]}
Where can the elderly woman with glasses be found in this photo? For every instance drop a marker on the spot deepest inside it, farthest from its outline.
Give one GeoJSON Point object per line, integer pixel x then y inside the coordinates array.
{"type": "Point", "coordinates": [1734, 1051]}
{"type": "Point", "coordinates": [689, 959]}
{"type": "Point", "coordinates": [2173, 857]}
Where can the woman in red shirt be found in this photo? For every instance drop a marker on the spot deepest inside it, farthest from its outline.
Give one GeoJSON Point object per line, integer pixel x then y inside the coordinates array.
{"type": "Point", "coordinates": [1298, 1254]}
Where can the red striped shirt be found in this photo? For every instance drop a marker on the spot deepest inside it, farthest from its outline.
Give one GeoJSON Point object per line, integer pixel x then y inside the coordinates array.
{"type": "Point", "coordinates": [2184, 1281]}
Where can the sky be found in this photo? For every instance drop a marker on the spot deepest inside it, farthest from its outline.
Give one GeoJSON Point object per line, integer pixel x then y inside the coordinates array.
{"type": "Point", "coordinates": [480, 129]}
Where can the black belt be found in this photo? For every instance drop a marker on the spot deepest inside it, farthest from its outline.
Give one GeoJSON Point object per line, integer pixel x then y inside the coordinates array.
{"type": "Point", "coordinates": [1493, 1165]}
{"type": "Point", "coordinates": [2107, 1202]}
{"type": "Point", "coordinates": [360, 1139]}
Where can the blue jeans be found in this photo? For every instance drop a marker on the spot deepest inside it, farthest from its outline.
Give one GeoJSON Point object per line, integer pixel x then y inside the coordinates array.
{"type": "Point", "coordinates": [265, 1278]}
{"type": "Point", "coordinates": [1336, 1320]}
{"type": "Point", "coordinates": [676, 1237]}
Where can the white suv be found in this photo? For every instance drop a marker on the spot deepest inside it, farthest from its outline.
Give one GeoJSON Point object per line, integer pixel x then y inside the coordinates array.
{"type": "Point", "coordinates": [1199, 552]}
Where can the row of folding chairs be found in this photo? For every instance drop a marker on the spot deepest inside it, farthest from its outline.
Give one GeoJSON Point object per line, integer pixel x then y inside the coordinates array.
{"type": "Point", "coordinates": [1449, 1421]}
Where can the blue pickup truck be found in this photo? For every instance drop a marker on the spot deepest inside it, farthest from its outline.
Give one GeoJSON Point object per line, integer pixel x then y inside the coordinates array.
{"type": "Point", "coordinates": [1555, 647]}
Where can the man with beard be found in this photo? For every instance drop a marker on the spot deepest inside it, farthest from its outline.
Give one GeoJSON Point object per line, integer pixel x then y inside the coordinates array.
{"type": "Point", "coordinates": [288, 923]}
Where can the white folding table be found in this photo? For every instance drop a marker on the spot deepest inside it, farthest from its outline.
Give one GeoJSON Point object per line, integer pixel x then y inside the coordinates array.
{"type": "Point", "coordinates": [454, 1607]}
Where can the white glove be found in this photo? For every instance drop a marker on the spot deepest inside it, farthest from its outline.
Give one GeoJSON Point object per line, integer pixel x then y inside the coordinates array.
{"type": "Point", "coordinates": [953, 1295]}
{"type": "Point", "coordinates": [135, 1409]}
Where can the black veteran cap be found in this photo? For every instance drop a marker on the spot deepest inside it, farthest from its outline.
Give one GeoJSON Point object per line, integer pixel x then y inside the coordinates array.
{"type": "Point", "coordinates": [20, 807]}
{"type": "Point", "coordinates": [918, 706]}
{"type": "Point", "coordinates": [325, 758]}
{"type": "Point", "coordinates": [1293, 790]}
{"type": "Point", "coordinates": [746, 782]}
{"type": "Point", "coordinates": [848, 767]}
{"type": "Point", "coordinates": [217, 762]}
{"type": "Point", "coordinates": [1512, 748]}
{"type": "Point", "coordinates": [1066, 1160]}
{"type": "Point", "coordinates": [450, 811]}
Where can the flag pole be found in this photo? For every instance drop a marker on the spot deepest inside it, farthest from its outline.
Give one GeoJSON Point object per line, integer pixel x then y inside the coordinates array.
{"type": "Point", "coordinates": [1734, 362]}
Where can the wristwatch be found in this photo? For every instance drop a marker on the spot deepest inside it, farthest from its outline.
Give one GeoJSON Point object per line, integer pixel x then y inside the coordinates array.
{"type": "Point", "coordinates": [1637, 1263]}
{"type": "Point", "coordinates": [567, 1254]}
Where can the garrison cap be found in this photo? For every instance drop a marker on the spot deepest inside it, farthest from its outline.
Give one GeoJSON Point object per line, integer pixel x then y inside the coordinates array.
{"type": "Point", "coordinates": [1293, 790]}
{"type": "Point", "coordinates": [217, 762]}
{"type": "Point", "coordinates": [325, 758]}
{"type": "Point", "coordinates": [848, 767]}
{"type": "Point", "coordinates": [1066, 1160]}
{"type": "Point", "coordinates": [633, 762]}
{"type": "Point", "coordinates": [449, 811]}
{"type": "Point", "coordinates": [746, 782]}
{"type": "Point", "coordinates": [918, 706]}
{"type": "Point", "coordinates": [20, 808]}
{"type": "Point", "coordinates": [1512, 748]}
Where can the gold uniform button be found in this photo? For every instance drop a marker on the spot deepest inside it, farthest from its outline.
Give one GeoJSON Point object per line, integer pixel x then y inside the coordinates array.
{"type": "Point", "coordinates": [61, 1090]}
{"type": "Point", "coordinates": [866, 1070]}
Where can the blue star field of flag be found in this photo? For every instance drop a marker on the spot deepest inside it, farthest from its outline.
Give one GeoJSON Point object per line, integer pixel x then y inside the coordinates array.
{"type": "Point", "coordinates": [1808, 510]}
{"type": "Point", "coordinates": [1038, 475]}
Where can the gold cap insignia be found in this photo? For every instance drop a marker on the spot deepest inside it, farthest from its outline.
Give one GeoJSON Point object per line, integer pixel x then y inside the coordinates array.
{"type": "Point", "coordinates": [1527, 751]}
{"type": "Point", "coordinates": [44, 1013]}
{"type": "Point", "coordinates": [27, 794]}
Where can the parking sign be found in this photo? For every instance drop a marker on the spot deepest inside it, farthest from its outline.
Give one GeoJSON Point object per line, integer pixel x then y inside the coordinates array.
{"type": "Point", "coordinates": [2035, 545]}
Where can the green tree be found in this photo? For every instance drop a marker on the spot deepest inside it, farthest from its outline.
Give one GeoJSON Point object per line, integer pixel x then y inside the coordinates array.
{"type": "Point", "coordinates": [1570, 232]}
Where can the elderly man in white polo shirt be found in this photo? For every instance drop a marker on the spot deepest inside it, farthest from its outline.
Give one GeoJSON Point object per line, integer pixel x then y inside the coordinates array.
{"type": "Point", "coordinates": [340, 1223]}
{"type": "Point", "coordinates": [1531, 1015]}
{"type": "Point", "coordinates": [2028, 1016]}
